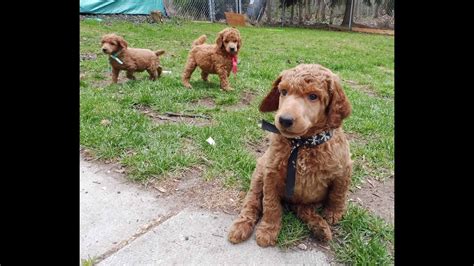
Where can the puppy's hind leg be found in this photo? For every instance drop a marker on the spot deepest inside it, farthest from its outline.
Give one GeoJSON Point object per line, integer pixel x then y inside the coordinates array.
{"type": "Point", "coordinates": [204, 76]}
{"type": "Point", "coordinates": [130, 75]}
{"type": "Point", "coordinates": [188, 71]}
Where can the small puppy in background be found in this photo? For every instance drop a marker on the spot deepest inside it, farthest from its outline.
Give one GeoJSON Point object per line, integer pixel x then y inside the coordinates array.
{"type": "Point", "coordinates": [131, 60]}
{"type": "Point", "coordinates": [219, 58]}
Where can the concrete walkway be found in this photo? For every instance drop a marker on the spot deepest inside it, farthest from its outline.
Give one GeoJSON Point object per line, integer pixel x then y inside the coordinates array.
{"type": "Point", "coordinates": [123, 224]}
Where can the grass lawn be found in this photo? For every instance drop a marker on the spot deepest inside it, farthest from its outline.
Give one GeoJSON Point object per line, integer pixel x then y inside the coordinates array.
{"type": "Point", "coordinates": [364, 62]}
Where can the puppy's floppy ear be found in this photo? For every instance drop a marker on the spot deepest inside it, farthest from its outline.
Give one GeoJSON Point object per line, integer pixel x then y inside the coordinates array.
{"type": "Point", "coordinates": [272, 100]}
{"type": "Point", "coordinates": [220, 39]}
{"type": "Point", "coordinates": [339, 106]}
{"type": "Point", "coordinates": [122, 42]}
{"type": "Point", "coordinates": [239, 43]}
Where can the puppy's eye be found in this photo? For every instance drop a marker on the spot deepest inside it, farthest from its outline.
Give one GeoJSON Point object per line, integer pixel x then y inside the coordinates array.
{"type": "Point", "coordinates": [283, 92]}
{"type": "Point", "coordinates": [312, 96]}
{"type": "Point", "coordinates": [226, 41]}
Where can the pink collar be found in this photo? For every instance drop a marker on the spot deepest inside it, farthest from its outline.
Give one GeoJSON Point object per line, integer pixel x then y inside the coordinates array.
{"type": "Point", "coordinates": [234, 63]}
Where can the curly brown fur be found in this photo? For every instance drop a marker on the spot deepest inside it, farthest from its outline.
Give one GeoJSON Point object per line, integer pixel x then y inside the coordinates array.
{"type": "Point", "coordinates": [323, 172]}
{"type": "Point", "coordinates": [134, 59]}
{"type": "Point", "coordinates": [215, 58]}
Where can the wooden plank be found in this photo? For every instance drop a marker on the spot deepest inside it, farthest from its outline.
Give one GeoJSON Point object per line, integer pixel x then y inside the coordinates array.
{"type": "Point", "coordinates": [234, 19]}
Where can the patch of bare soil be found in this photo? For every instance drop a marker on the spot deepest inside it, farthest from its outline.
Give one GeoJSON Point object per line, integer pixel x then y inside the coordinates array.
{"type": "Point", "coordinates": [88, 56]}
{"type": "Point", "coordinates": [354, 137]}
{"type": "Point", "coordinates": [196, 120]}
{"type": "Point", "coordinates": [245, 100]}
{"type": "Point", "coordinates": [112, 164]}
{"type": "Point", "coordinates": [189, 188]}
{"type": "Point", "coordinates": [377, 197]}
{"type": "Point", "coordinates": [376, 31]}
{"type": "Point", "coordinates": [364, 88]}
{"type": "Point", "coordinates": [259, 148]}
{"type": "Point", "coordinates": [206, 102]}
{"type": "Point", "coordinates": [184, 188]}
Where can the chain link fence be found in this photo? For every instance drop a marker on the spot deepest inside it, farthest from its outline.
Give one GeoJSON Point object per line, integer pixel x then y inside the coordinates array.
{"type": "Point", "coordinates": [377, 14]}
{"type": "Point", "coordinates": [211, 10]}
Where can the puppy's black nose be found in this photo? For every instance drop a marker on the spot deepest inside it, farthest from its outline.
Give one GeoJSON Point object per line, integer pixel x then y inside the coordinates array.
{"type": "Point", "coordinates": [286, 120]}
{"type": "Point", "coordinates": [104, 50]}
{"type": "Point", "coordinates": [232, 49]}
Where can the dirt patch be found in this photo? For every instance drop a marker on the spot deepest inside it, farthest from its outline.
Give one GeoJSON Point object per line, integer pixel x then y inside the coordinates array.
{"type": "Point", "coordinates": [247, 97]}
{"type": "Point", "coordinates": [375, 31]}
{"type": "Point", "coordinates": [258, 148]}
{"type": "Point", "coordinates": [245, 100]}
{"type": "Point", "coordinates": [189, 188]}
{"type": "Point", "coordinates": [354, 137]}
{"type": "Point", "coordinates": [172, 118]}
{"type": "Point", "coordinates": [206, 102]}
{"type": "Point", "coordinates": [377, 197]}
{"type": "Point", "coordinates": [88, 56]}
{"type": "Point", "coordinates": [364, 88]}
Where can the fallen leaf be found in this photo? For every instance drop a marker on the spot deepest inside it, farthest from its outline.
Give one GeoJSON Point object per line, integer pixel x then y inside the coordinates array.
{"type": "Point", "coordinates": [105, 122]}
{"type": "Point", "coordinates": [302, 246]}
{"type": "Point", "coordinates": [161, 189]}
{"type": "Point", "coordinates": [211, 141]}
{"type": "Point", "coordinates": [368, 180]}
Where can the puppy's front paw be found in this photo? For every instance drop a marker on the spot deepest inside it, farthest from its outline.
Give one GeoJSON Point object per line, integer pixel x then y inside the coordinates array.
{"type": "Point", "coordinates": [187, 85]}
{"type": "Point", "coordinates": [332, 217]}
{"type": "Point", "coordinates": [240, 231]}
{"type": "Point", "coordinates": [227, 89]}
{"type": "Point", "coordinates": [266, 235]}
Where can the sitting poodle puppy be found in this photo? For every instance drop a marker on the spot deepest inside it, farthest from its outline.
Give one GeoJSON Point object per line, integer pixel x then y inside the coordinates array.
{"type": "Point", "coordinates": [219, 58]}
{"type": "Point", "coordinates": [130, 59]}
{"type": "Point", "coordinates": [308, 163]}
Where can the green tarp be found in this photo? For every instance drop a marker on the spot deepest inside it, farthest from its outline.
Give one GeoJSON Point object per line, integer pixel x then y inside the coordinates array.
{"type": "Point", "coordinates": [129, 7]}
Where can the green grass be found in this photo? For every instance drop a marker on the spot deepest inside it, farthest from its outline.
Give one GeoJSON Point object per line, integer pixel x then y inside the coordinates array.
{"type": "Point", "coordinates": [364, 239]}
{"type": "Point", "coordinates": [88, 262]}
{"type": "Point", "coordinates": [292, 230]}
{"type": "Point", "coordinates": [150, 150]}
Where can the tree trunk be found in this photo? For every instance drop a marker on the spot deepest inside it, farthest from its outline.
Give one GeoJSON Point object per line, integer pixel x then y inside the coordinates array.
{"type": "Point", "coordinates": [323, 10]}
{"type": "Point", "coordinates": [269, 11]}
{"type": "Point", "coordinates": [300, 12]}
{"type": "Point", "coordinates": [292, 11]}
{"type": "Point", "coordinates": [283, 9]}
{"type": "Point", "coordinates": [308, 10]}
{"type": "Point", "coordinates": [376, 12]}
{"type": "Point", "coordinates": [330, 15]}
{"type": "Point", "coordinates": [356, 9]}
{"type": "Point", "coordinates": [347, 13]}
{"type": "Point", "coordinates": [317, 9]}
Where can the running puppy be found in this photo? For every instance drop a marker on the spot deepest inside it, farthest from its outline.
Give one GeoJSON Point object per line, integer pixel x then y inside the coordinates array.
{"type": "Point", "coordinates": [121, 57]}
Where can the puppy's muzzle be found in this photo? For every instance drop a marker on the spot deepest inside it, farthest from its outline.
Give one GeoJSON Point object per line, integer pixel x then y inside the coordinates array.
{"type": "Point", "coordinates": [286, 121]}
